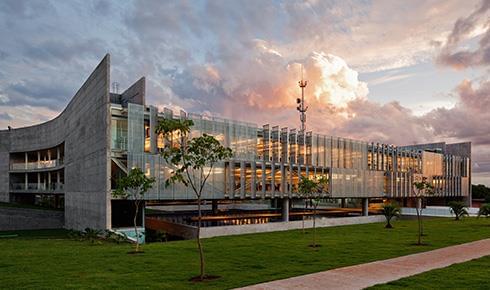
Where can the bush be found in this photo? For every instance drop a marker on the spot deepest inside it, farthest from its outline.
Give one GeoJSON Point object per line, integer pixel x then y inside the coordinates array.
{"type": "Point", "coordinates": [484, 210]}
{"type": "Point", "coordinates": [458, 208]}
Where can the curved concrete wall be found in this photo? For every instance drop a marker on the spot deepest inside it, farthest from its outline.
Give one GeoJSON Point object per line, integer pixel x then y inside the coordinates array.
{"type": "Point", "coordinates": [84, 126]}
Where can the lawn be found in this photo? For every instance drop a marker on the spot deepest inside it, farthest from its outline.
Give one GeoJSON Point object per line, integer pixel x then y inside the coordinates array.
{"type": "Point", "coordinates": [470, 275]}
{"type": "Point", "coordinates": [39, 259]}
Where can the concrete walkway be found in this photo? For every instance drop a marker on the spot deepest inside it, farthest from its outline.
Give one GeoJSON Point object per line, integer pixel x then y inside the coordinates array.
{"type": "Point", "coordinates": [369, 274]}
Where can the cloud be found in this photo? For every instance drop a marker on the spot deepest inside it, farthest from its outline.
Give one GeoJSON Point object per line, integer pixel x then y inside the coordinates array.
{"type": "Point", "coordinates": [476, 24]}
{"type": "Point", "coordinates": [243, 61]}
{"type": "Point", "coordinates": [5, 117]}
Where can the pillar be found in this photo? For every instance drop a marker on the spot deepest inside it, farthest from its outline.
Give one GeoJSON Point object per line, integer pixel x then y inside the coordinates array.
{"type": "Point", "coordinates": [214, 206]}
{"type": "Point", "coordinates": [365, 207]}
{"type": "Point", "coordinates": [342, 202]}
{"type": "Point", "coordinates": [285, 209]}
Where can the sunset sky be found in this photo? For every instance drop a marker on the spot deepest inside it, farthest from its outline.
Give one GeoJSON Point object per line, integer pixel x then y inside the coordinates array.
{"type": "Point", "coordinates": [388, 71]}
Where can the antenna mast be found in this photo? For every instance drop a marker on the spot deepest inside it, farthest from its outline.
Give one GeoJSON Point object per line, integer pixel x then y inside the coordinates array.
{"type": "Point", "coordinates": [301, 102]}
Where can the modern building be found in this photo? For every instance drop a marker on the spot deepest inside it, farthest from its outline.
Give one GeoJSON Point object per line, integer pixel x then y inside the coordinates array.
{"type": "Point", "coordinates": [74, 160]}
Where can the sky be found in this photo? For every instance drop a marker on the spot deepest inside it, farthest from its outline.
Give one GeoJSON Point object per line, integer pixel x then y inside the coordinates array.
{"type": "Point", "coordinates": [400, 72]}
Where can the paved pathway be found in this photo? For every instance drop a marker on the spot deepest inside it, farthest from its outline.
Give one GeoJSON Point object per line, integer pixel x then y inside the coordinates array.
{"type": "Point", "coordinates": [369, 274]}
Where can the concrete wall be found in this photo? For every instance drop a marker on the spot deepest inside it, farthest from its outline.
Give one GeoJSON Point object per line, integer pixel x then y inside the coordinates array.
{"type": "Point", "coordinates": [30, 219]}
{"type": "Point", "coordinates": [135, 94]}
{"type": "Point", "coordinates": [285, 226]}
{"type": "Point", "coordinates": [84, 126]}
{"type": "Point", "coordinates": [4, 165]}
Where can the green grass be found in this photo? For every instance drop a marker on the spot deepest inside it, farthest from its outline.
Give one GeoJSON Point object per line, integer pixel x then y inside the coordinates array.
{"type": "Point", "coordinates": [469, 275]}
{"type": "Point", "coordinates": [53, 261]}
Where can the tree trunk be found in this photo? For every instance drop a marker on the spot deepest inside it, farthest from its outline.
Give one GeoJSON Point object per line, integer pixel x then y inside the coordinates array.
{"type": "Point", "coordinates": [420, 224]}
{"type": "Point", "coordinates": [136, 226]}
{"type": "Point", "coordinates": [201, 254]}
{"type": "Point", "coordinates": [314, 224]}
{"type": "Point", "coordinates": [303, 218]}
{"type": "Point", "coordinates": [388, 223]}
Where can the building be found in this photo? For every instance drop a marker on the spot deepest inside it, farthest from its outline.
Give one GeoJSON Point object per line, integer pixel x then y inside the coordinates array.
{"type": "Point", "coordinates": [74, 160]}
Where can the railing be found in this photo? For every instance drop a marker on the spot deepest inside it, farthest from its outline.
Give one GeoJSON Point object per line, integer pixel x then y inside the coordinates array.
{"type": "Point", "coordinates": [120, 143]}
{"type": "Point", "coordinates": [37, 187]}
{"type": "Point", "coordinates": [43, 164]}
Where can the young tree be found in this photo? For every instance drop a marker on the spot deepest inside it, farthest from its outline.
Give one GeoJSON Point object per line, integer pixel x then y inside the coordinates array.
{"type": "Point", "coordinates": [421, 189]}
{"type": "Point", "coordinates": [458, 209]}
{"type": "Point", "coordinates": [484, 210]}
{"type": "Point", "coordinates": [193, 160]}
{"type": "Point", "coordinates": [390, 211]}
{"type": "Point", "coordinates": [134, 186]}
{"type": "Point", "coordinates": [313, 190]}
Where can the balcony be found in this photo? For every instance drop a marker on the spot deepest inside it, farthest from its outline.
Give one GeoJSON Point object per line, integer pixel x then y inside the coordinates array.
{"type": "Point", "coordinates": [43, 164]}
{"type": "Point", "coordinates": [37, 187]}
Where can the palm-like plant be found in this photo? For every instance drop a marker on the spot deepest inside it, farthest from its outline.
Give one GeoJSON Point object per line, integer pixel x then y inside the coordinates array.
{"type": "Point", "coordinates": [390, 211]}
{"type": "Point", "coordinates": [458, 209]}
{"type": "Point", "coordinates": [484, 210]}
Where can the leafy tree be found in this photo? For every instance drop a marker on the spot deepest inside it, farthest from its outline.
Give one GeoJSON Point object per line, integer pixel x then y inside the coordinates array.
{"type": "Point", "coordinates": [134, 186]}
{"type": "Point", "coordinates": [313, 190]}
{"type": "Point", "coordinates": [192, 160]}
{"type": "Point", "coordinates": [484, 210]}
{"type": "Point", "coordinates": [458, 209]}
{"type": "Point", "coordinates": [481, 191]}
{"type": "Point", "coordinates": [421, 189]}
{"type": "Point", "coordinates": [390, 211]}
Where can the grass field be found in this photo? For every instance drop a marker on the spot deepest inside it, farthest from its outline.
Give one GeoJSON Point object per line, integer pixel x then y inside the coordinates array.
{"type": "Point", "coordinates": [470, 275]}
{"type": "Point", "coordinates": [48, 259]}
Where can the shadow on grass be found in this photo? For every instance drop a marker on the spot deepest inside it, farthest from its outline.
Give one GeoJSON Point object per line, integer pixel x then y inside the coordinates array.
{"type": "Point", "coordinates": [206, 278]}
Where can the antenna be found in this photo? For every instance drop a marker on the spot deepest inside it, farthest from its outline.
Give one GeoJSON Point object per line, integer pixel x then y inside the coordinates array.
{"type": "Point", "coordinates": [301, 102]}
{"type": "Point", "coordinates": [115, 87]}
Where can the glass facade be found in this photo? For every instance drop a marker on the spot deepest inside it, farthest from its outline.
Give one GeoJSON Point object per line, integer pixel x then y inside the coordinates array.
{"type": "Point", "coordinates": [269, 161]}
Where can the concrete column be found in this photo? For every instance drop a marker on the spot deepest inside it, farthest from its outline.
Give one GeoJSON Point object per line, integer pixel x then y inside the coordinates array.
{"type": "Point", "coordinates": [365, 206]}
{"type": "Point", "coordinates": [230, 181]}
{"type": "Point", "coordinates": [58, 179]}
{"type": "Point", "coordinates": [27, 160]}
{"type": "Point", "coordinates": [273, 179]}
{"type": "Point", "coordinates": [58, 154]}
{"type": "Point", "coordinates": [285, 209]}
{"type": "Point", "coordinates": [283, 180]}
{"type": "Point", "coordinates": [38, 180]}
{"type": "Point", "coordinates": [342, 202]}
{"type": "Point", "coordinates": [214, 206]}
{"type": "Point", "coordinates": [253, 181]}
{"type": "Point", "coordinates": [26, 181]}
{"type": "Point", "coordinates": [263, 179]}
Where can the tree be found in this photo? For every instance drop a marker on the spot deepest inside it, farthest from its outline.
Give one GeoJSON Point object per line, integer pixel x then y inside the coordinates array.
{"type": "Point", "coordinates": [480, 191]}
{"type": "Point", "coordinates": [192, 160]}
{"type": "Point", "coordinates": [313, 190]}
{"type": "Point", "coordinates": [458, 209]}
{"type": "Point", "coordinates": [134, 186]}
{"type": "Point", "coordinates": [484, 210]}
{"type": "Point", "coordinates": [421, 189]}
{"type": "Point", "coordinates": [390, 211]}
